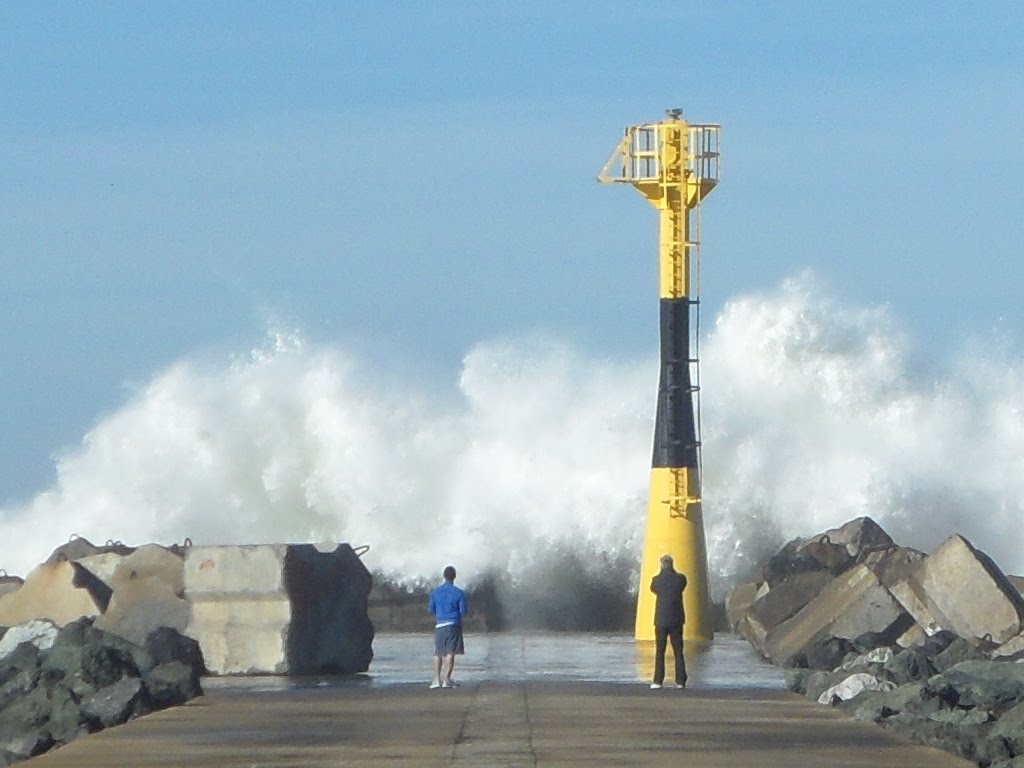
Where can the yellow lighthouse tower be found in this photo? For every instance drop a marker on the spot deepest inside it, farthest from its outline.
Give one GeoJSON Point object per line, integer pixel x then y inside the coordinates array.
{"type": "Point", "coordinates": [675, 165]}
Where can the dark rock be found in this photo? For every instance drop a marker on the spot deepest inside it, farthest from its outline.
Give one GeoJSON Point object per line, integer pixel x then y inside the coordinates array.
{"type": "Point", "coordinates": [25, 657]}
{"type": "Point", "coordinates": [937, 643]}
{"type": "Point", "coordinates": [957, 651]}
{"type": "Point", "coordinates": [171, 683]}
{"type": "Point", "coordinates": [869, 641]}
{"type": "Point", "coordinates": [23, 731]}
{"type": "Point", "coordinates": [817, 682]}
{"type": "Point", "coordinates": [116, 703]}
{"type": "Point", "coordinates": [962, 717]}
{"type": "Point", "coordinates": [18, 685]}
{"type": "Point", "coordinates": [908, 665]}
{"type": "Point", "coordinates": [827, 653]}
{"type": "Point", "coordinates": [789, 561]}
{"type": "Point", "coordinates": [796, 679]}
{"type": "Point", "coordinates": [1013, 762]}
{"type": "Point", "coordinates": [1010, 727]}
{"type": "Point", "coordinates": [64, 722]}
{"type": "Point", "coordinates": [931, 702]}
{"type": "Point", "coordinates": [877, 705]}
{"type": "Point", "coordinates": [994, 684]}
{"type": "Point", "coordinates": [168, 644]}
{"type": "Point", "coordinates": [970, 743]}
{"type": "Point", "coordinates": [87, 659]}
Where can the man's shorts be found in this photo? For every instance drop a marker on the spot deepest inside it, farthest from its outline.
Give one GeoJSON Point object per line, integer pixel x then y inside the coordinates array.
{"type": "Point", "coordinates": [448, 640]}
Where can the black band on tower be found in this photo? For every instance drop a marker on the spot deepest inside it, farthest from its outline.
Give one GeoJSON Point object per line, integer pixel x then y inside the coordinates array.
{"type": "Point", "coordinates": [675, 442]}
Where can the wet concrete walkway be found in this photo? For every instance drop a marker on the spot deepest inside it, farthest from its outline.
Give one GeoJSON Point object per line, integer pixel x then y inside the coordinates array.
{"type": "Point", "coordinates": [483, 724]}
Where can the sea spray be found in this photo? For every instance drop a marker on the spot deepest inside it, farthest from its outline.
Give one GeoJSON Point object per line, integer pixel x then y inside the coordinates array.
{"type": "Point", "coordinates": [534, 467]}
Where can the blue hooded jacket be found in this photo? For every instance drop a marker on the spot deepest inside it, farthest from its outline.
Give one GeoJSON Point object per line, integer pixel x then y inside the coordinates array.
{"type": "Point", "coordinates": [448, 604]}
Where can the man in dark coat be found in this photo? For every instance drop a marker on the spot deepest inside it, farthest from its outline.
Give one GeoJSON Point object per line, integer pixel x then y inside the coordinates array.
{"type": "Point", "coordinates": [668, 620]}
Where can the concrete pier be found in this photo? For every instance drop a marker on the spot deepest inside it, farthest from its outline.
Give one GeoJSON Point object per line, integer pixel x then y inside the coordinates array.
{"type": "Point", "coordinates": [482, 724]}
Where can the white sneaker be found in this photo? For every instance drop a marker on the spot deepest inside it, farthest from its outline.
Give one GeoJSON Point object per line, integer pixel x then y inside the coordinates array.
{"type": "Point", "coordinates": [655, 686]}
{"type": "Point", "coordinates": [435, 684]}
{"type": "Point", "coordinates": [680, 685]}
{"type": "Point", "coordinates": [449, 684]}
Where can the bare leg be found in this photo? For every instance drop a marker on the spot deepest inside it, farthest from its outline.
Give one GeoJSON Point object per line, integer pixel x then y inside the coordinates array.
{"type": "Point", "coordinates": [437, 670]}
{"type": "Point", "coordinates": [451, 667]}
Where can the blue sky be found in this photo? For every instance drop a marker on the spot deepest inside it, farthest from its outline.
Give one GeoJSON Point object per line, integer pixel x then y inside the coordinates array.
{"type": "Point", "coordinates": [406, 179]}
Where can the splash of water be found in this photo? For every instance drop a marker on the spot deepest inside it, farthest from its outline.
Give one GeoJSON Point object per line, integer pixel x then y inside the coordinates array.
{"type": "Point", "coordinates": [813, 413]}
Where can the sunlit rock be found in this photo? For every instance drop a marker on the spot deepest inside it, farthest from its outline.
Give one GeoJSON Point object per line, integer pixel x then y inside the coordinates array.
{"type": "Point", "coordinates": [61, 591]}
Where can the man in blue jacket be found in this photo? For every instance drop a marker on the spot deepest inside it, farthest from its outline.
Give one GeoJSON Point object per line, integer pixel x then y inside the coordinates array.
{"type": "Point", "coordinates": [448, 604]}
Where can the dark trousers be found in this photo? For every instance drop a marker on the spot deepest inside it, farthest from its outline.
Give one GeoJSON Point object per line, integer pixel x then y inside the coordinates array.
{"type": "Point", "coordinates": [661, 636]}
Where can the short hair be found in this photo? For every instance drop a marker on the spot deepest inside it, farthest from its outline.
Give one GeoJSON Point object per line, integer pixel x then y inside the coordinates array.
{"type": "Point", "coordinates": [666, 559]}
{"type": "Point", "coordinates": [449, 573]}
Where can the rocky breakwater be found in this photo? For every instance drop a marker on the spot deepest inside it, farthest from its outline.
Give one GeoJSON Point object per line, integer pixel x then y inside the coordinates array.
{"type": "Point", "coordinates": [97, 634]}
{"type": "Point", "coordinates": [928, 645]}
{"type": "Point", "coordinates": [57, 683]}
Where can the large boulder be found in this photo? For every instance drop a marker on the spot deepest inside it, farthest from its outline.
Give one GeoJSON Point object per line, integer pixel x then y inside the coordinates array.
{"type": "Point", "coordinates": [852, 603]}
{"type": "Point", "coordinates": [279, 609]}
{"type": "Point", "coordinates": [9, 583]}
{"type": "Point", "coordinates": [893, 565]}
{"type": "Point", "coordinates": [835, 550]}
{"type": "Point", "coordinates": [166, 644]}
{"type": "Point", "coordinates": [88, 679]}
{"type": "Point", "coordinates": [960, 589]}
{"type": "Point", "coordinates": [909, 665]}
{"type": "Point", "coordinates": [140, 606]}
{"type": "Point", "coordinates": [41, 634]}
{"type": "Point", "coordinates": [170, 684]}
{"type": "Point", "coordinates": [1011, 650]}
{"type": "Point", "coordinates": [148, 561]}
{"type": "Point", "coordinates": [115, 704]}
{"type": "Point", "coordinates": [825, 653]}
{"type": "Point", "coordinates": [853, 685]}
{"type": "Point", "coordinates": [1011, 727]}
{"type": "Point", "coordinates": [1017, 582]}
{"type": "Point", "coordinates": [738, 602]}
{"type": "Point", "coordinates": [61, 591]}
{"type": "Point", "coordinates": [780, 603]}
{"type": "Point", "coordinates": [995, 685]}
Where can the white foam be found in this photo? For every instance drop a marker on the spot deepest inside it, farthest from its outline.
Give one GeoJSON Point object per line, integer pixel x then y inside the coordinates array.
{"type": "Point", "coordinates": [813, 413]}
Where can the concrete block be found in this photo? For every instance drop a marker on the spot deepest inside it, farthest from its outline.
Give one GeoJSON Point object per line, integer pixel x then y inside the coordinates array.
{"type": "Point", "coordinates": [859, 536]}
{"type": "Point", "coordinates": [102, 565]}
{"type": "Point", "coordinates": [1011, 650]}
{"type": "Point", "coordinates": [835, 550]}
{"type": "Point", "coordinates": [912, 597]}
{"type": "Point", "coordinates": [141, 605]}
{"type": "Point", "coordinates": [913, 637]}
{"type": "Point", "coordinates": [894, 564]}
{"type": "Point", "coordinates": [147, 561]}
{"type": "Point", "coordinates": [1018, 583]}
{"type": "Point", "coordinates": [850, 605]}
{"type": "Point", "coordinates": [279, 609]}
{"type": "Point", "coordinates": [780, 603]}
{"type": "Point", "coordinates": [965, 592]}
{"type": "Point", "coordinates": [738, 602]}
{"type": "Point", "coordinates": [9, 584]}
{"type": "Point", "coordinates": [61, 591]}
{"type": "Point", "coordinates": [79, 547]}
